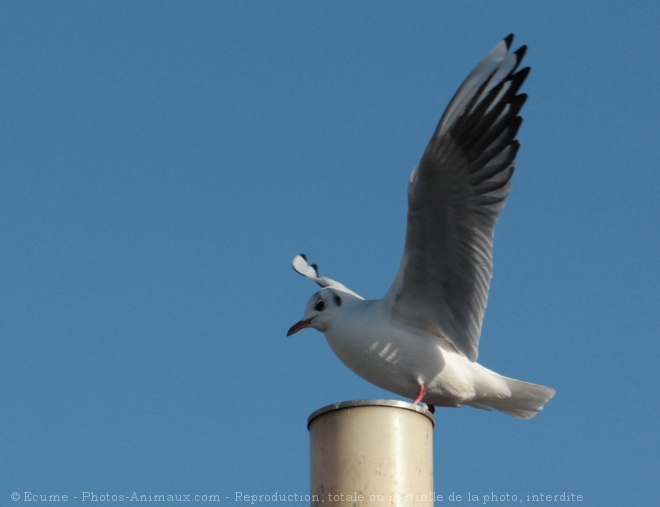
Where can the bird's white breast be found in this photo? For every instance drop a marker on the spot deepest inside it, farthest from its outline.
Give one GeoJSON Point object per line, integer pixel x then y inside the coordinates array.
{"type": "Point", "coordinates": [395, 357]}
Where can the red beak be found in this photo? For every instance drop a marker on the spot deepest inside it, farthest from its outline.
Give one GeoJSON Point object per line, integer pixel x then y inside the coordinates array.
{"type": "Point", "coordinates": [298, 326]}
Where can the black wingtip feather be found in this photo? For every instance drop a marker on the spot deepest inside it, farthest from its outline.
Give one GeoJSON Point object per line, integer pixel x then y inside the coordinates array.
{"type": "Point", "coordinates": [508, 39]}
{"type": "Point", "coordinates": [520, 52]}
{"type": "Point", "coordinates": [522, 74]}
{"type": "Point", "coordinates": [517, 103]}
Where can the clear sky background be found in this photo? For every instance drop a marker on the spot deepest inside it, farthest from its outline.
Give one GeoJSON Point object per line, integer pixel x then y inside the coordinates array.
{"type": "Point", "coordinates": [162, 162]}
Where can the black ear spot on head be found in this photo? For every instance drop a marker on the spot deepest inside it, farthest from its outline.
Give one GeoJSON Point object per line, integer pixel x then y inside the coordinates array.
{"type": "Point", "coordinates": [337, 300]}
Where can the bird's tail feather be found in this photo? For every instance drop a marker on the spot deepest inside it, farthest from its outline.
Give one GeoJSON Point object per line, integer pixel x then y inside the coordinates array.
{"type": "Point", "coordinates": [524, 400]}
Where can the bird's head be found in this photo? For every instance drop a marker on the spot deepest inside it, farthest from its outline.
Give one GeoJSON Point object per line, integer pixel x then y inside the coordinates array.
{"type": "Point", "coordinates": [321, 308]}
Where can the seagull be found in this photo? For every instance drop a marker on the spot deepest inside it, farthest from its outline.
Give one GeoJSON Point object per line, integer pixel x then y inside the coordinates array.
{"type": "Point", "coordinates": [421, 340]}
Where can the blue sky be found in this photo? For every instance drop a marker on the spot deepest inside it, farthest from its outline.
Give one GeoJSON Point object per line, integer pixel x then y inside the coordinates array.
{"type": "Point", "coordinates": [162, 162]}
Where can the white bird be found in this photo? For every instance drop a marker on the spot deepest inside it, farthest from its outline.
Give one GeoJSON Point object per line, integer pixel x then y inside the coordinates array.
{"type": "Point", "coordinates": [421, 340]}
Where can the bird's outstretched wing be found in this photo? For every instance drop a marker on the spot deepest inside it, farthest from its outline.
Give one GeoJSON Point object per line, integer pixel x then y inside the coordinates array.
{"type": "Point", "coordinates": [455, 196]}
{"type": "Point", "coordinates": [311, 271]}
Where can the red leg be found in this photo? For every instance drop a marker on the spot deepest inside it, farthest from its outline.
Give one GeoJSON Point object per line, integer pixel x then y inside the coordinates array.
{"type": "Point", "coordinates": [420, 394]}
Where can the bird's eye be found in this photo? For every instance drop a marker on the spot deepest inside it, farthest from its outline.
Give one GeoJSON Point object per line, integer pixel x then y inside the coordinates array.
{"type": "Point", "coordinates": [320, 306]}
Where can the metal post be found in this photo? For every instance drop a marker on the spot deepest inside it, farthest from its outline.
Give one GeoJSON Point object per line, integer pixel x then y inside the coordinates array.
{"type": "Point", "coordinates": [371, 453]}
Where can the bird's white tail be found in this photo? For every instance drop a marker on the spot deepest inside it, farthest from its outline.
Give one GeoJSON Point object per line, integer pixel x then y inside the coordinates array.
{"type": "Point", "coordinates": [524, 401]}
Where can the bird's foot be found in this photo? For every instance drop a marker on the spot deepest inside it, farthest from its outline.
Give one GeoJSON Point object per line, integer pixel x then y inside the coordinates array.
{"type": "Point", "coordinates": [431, 408]}
{"type": "Point", "coordinates": [420, 394]}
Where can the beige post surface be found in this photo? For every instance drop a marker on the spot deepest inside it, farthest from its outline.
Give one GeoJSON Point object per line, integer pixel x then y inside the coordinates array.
{"type": "Point", "coordinates": [371, 453]}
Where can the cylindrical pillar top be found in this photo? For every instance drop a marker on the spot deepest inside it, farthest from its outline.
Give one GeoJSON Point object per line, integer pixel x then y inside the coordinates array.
{"type": "Point", "coordinates": [371, 453]}
{"type": "Point", "coordinates": [371, 403]}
